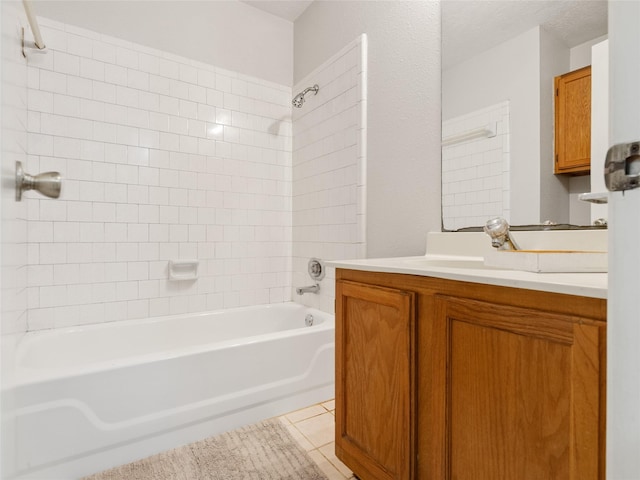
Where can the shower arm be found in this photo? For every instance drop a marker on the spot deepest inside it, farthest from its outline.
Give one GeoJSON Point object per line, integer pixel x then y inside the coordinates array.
{"type": "Point", "coordinates": [309, 89]}
{"type": "Point", "coordinates": [33, 23]}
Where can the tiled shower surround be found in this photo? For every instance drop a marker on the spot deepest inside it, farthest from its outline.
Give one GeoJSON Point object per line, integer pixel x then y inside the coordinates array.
{"type": "Point", "coordinates": [162, 158]}
{"type": "Point", "coordinates": [329, 169]}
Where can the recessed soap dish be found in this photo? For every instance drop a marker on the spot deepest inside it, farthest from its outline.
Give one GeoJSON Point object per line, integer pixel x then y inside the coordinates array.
{"type": "Point", "coordinates": [183, 269]}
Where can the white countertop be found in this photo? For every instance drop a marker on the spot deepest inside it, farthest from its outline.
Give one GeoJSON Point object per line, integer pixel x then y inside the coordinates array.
{"type": "Point", "coordinates": [582, 284]}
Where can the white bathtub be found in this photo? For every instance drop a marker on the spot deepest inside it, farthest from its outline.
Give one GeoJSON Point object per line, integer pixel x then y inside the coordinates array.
{"type": "Point", "coordinates": [89, 398]}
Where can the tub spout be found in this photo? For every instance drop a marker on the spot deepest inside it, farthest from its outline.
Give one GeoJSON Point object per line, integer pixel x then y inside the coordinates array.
{"type": "Point", "coordinates": [309, 289]}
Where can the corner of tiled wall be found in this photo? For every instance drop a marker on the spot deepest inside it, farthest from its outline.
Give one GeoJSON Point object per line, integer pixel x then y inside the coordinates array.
{"type": "Point", "coordinates": [329, 170]}
{"type": "Point", "coordinates": [13, 227]}
{"type": "Point", "coordinates": [14, 148]}
{"type": "Point", "coordinates": [162, 158]}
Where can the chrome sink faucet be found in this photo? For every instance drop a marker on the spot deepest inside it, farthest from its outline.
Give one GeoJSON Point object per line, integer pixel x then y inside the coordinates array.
{"type": "Point", "coordinates": [498, 229]}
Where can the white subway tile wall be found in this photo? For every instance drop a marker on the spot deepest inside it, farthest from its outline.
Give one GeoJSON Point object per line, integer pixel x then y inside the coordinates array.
{"type": "Point", "coordinates": [163, 158]}
{"type": "Point", "coordinates": [475, 173]}
{"type": "Point", "coordinates": [329, 169]}
{"type": "Point", "coordinates": [13, 298]}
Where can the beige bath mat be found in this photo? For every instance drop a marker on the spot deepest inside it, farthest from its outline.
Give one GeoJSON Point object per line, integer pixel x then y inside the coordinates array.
{"type": "Point", "coordinates": [262, 451]}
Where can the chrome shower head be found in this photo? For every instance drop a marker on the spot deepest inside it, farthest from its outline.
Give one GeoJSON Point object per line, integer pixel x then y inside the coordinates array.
{"type": "Point", "coordinates": [298, 100]}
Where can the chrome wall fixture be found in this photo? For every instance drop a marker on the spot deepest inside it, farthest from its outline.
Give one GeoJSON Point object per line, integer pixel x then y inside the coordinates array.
{"type": "Point", "coordinates": [33, 23]}
{"type": "Point", "coordinates": [48, 183]}
{"type": "Point", "coordinates": [38, 42]}
{"type": "Point", "coordinates": [316, 270]}
{"type": "Point", "coordinates": [298, 100]}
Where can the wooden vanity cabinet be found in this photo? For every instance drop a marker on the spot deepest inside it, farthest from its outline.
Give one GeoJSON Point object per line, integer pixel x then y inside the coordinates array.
{"type": "Point", "coordinates": [375, 384]}
{"type": "Point", "coordinates": [447, 380]}
{"type": "Point", "coordinates": [573, 122]}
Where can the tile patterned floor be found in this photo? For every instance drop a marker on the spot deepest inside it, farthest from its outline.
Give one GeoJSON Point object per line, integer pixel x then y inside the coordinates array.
{"type": "Point", "coordinates": [313, 427]}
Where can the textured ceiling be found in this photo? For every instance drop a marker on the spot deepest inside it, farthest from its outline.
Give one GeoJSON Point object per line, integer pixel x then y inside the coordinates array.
{"type": "Point", "coordinates": [471, 27]}
{"type": "Point", "coordinates": [287, 9]}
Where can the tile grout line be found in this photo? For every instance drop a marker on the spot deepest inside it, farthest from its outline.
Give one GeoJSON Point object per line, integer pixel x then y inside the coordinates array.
{"type": "Point", "coordinates": [317, 448]}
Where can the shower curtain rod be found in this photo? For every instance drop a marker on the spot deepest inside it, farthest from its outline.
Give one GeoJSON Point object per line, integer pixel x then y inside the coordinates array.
{"type": "Point", "coordinates": [33, 23]}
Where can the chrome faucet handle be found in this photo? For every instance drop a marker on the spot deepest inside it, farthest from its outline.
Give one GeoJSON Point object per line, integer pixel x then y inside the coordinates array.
{"type": "Point", "coordinates": [315, 268]}
{"type": "Point", "coordinates": [498, 229]}
{"type": "Point", "coordinates": [48, 183]}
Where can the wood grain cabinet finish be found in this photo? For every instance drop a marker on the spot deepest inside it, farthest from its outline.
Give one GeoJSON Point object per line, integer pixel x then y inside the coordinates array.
{"type": "Point", "coordinates": [494, 382]}
{"type": "Point", "coordinates": [374, 380]}
{"type": "Point", "coordinates": [521, 392]}
{"type": "Point", "coordinates": [573, 122]}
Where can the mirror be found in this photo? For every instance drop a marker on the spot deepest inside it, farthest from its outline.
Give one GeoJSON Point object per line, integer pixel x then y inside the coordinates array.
{"type": "Point", "coordinates": [499, 59]}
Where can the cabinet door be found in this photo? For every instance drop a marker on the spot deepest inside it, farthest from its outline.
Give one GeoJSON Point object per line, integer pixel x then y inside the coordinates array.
{"type": "Point", "coordinates": [375, 380]}
{"type": "Point", "coordinates": [573, 122]}
{"type": "Point", "coordinates": [523, 391]}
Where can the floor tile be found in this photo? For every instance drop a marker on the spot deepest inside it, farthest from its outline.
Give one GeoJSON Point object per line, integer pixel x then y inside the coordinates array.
{"type": "Point", "coordinates": [313, 428]}
{"type": "Point", "coordinates": [326, 466]}
{"type": "Point", "coordinates": [319, 430]}
{"type": "Point", "coordinates": [298, 436]}
{"type": "Point", "coordinates": [330, 405]}
{"type": "Point", "coordinates": [329, 451]}
{"type": "Point", "coordinates": [305, 413]}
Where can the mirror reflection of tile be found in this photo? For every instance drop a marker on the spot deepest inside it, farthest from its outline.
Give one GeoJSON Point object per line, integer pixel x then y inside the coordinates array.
{"type": "Point", "coordinates": [475, 171]}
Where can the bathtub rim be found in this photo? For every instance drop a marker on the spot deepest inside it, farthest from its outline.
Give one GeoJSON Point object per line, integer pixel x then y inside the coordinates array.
{"type": "Point", "coordinates": [22, 376]}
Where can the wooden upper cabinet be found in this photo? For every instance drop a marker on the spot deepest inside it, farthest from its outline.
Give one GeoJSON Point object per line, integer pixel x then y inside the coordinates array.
{"type": "Point", "coordinates": [573, 122]}
{"type": "Point", "coordinates": [375, 380]}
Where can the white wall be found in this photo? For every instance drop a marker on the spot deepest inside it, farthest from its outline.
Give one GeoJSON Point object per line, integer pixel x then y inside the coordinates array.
{"type": "Point", "coordinates": [554, 189]}
{"type": "Point", "coordinates": [403, 146]}
{"type": "Point", "coordinates": [229, 34]}
{"type": "Point", "coordinates": [579, 211]}
{"type": "Point", "coordinates": [580, 55]}
{"type": "Point", "coordinates": [162, 158]}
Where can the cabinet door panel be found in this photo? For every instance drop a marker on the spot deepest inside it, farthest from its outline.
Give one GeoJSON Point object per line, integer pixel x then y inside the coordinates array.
{"type": "Point", "coordinates": [513, 393]}
{"type": "Point", "coordinates": [374, 380]}
{"type": "Point", "coordinates": [499, 408]}
{"type": "Point", "coordinates": [573, 121]}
